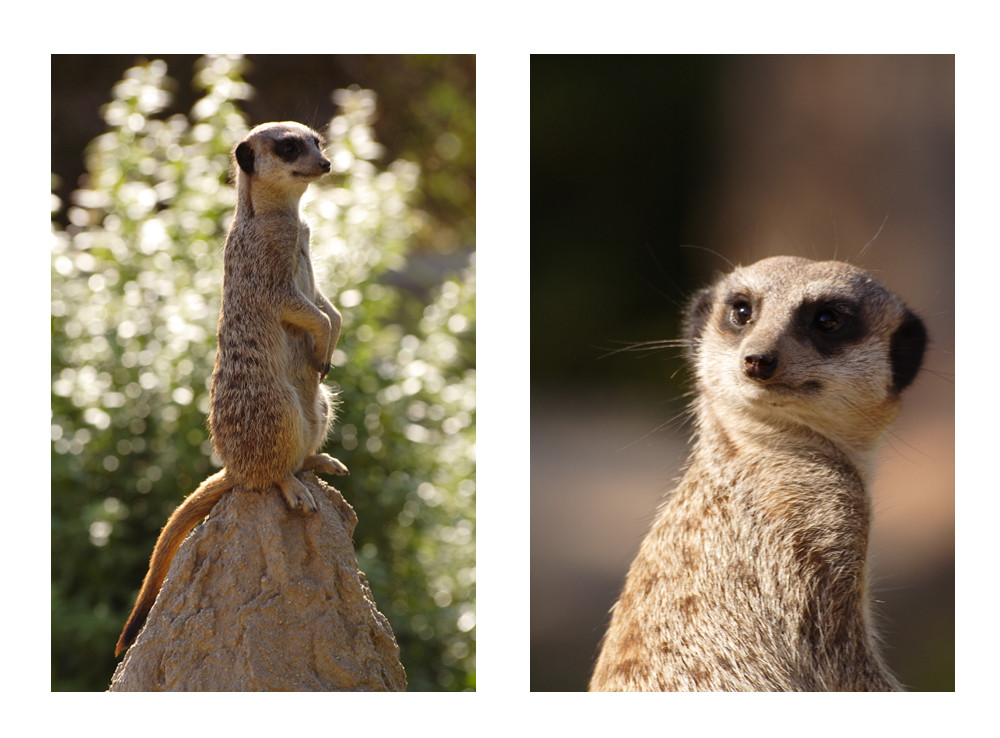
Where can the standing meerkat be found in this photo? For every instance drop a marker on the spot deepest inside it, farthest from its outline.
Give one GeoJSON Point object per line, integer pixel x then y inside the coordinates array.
{"type": "Point", "coordinates": [753, 576]}
{"type": "Point", "coordinates": [269, 411]}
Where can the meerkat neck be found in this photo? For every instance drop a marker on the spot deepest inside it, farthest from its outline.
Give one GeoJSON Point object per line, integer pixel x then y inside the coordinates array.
{"type": "Point", "coordinates": [782, 473]}
{"type": "Point", "coordinates": [800, 516]}
{"type": "Point", "coordinates": [761, 436]}
{"type": "Point", "coordinates": [258, 198]}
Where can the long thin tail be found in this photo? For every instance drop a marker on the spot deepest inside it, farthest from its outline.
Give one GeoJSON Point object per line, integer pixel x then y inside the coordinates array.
{"type": "Point", "coordinates": [195, 507]}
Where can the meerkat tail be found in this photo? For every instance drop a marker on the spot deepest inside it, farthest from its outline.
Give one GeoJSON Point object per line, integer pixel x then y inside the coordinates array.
{"type": "Point", "coordinates": [194, 508]}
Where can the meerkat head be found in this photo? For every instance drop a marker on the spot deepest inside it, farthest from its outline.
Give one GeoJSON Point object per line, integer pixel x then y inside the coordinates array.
{"type": "Point", "coordinates": [276, 161]}
{"type": "Point", "coordinates": [789, 341]}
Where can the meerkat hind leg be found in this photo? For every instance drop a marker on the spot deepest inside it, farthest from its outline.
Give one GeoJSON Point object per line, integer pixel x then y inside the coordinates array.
{"type": "Point", "coordinates": [325, 464]}
{"type": "Point", "coordinates": [297, 497]}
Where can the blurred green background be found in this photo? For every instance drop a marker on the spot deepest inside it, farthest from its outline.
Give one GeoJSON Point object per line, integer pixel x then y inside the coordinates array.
{"type": "Point", "coordinates": [141, 204]}
{"type": "Point", "coordinates": [649, 174]}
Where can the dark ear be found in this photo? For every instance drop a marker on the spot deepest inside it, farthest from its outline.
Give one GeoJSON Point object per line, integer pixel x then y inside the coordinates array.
{"type": "Point", "coordinates": [244, 157]}
{"type": "Point", "coordinates": [906, 350]}
{"type": "Point", "coordinates": [696, 316]}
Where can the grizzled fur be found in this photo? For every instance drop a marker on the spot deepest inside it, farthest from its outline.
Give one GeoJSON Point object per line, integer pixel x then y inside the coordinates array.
{"type": "Point", "coordinates": [753, 577]}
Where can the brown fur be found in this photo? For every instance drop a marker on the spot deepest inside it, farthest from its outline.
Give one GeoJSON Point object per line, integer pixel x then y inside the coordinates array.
{"type": "Point", "coordinates": [753, 577]}
{"type": "Point", "coordinates": [269, 411]}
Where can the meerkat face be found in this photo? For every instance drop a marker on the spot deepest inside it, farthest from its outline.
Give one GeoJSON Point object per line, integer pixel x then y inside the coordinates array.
{"type": "Point", "coordinates": [792, 341]}
{"type": "Point", "coordinates": [282, 155]}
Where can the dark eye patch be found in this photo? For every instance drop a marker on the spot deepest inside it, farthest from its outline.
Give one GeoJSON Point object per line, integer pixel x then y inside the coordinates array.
{"type": "Point", "coordinates": [288, 148]}
{"type": "Point", "coordinates": [828, 321]}
{"type": "Point", "coordinates": [831, 325]}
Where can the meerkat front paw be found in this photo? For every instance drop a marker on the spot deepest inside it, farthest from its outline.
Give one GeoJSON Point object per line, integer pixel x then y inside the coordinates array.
{"type": "Point", "coordinates": [297, 497]}
{"type": "Point", "coordinates": [322, 368]}
{"type": "Point", "coordinates": [325, 464]}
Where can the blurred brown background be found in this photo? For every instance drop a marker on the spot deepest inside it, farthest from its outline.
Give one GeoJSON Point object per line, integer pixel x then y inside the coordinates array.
{"type": "Point", "coordinates": [632, 159]}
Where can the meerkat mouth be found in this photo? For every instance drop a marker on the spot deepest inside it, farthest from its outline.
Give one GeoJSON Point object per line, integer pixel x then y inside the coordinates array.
{"type": "Point", "coordinates": [806, 388]}
{"type": "Point", "coordinates": [779, 395]}
{"type": "Point", "coordinates": [763, 389]}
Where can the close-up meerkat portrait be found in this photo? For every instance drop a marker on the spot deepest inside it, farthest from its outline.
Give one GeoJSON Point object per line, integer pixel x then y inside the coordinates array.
{"type": "Point", "coordinates": [742, 405]}
{"type": "Point", "coordinates": [755, 575]}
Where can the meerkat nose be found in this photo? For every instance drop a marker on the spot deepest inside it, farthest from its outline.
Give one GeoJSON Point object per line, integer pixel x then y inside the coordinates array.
{"type": "Point", "coordinates": [760, 366]}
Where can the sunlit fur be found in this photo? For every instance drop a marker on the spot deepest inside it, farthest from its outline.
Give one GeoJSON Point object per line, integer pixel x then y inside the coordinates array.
{"type": "Point", "coordinates": [753, 577]}
{"type": "Point", "coordinates": [269, 412]}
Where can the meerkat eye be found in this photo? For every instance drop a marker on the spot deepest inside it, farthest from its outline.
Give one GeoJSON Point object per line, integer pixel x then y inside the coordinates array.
{"type": "Point", "coordinates": [741, 313]}
{"type": "Point", "coordinates": [828, 320]}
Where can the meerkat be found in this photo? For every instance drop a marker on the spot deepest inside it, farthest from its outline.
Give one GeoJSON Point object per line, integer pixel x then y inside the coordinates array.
{"type": "Point", "coordinates": [753, 576]}
{"type": "Point", "coordinates": [269, 411]}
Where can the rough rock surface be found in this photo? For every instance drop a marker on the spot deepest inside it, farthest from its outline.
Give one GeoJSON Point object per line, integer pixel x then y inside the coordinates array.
{"type": "Point", "coordinates": [260, 598]}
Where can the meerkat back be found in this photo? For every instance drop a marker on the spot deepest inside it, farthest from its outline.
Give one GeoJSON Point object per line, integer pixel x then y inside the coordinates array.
{"type": "Point", "coordinates": [754, 574]}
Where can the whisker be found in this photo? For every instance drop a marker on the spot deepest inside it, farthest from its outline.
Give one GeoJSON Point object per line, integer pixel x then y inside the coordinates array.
{"type": "Point", "coordinates": [666, 275]}
{"type": "Point", "coordinates": [710, 251]}
{"type": "Point", "coordinates": [865, 249]}
{"type": "Point", "coordinates": [946, 376]}
{"type": "Point", "coordinates": [645, 347]}
{"type": "Point", "coordinates": [682, 415]}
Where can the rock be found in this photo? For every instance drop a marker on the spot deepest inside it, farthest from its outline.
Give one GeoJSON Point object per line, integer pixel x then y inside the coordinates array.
{"type": "Point", "coordinates": [260, 598]}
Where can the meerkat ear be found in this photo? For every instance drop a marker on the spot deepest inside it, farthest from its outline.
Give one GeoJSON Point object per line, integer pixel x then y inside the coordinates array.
{"type": "Point", "coordinates": [906, 350]}
{"type": "Point", "coordinates": [244, 157]}
{"type": "Point", "coordinates": [696, 316]}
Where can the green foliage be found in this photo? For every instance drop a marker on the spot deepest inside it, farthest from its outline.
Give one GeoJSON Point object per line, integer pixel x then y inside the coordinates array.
{"type": "Point", "coordinates": [136, 282]}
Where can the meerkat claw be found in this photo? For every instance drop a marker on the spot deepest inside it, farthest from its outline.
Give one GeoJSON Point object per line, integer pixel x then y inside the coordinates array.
{"type": "Point", "coordinates": [325, 464]}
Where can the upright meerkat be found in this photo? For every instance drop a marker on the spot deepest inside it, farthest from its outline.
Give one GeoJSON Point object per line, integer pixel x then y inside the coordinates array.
{"type": "Point", "coordinates": [753, 576]}
{"type": "Point", "coordinates": [269, 411]}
